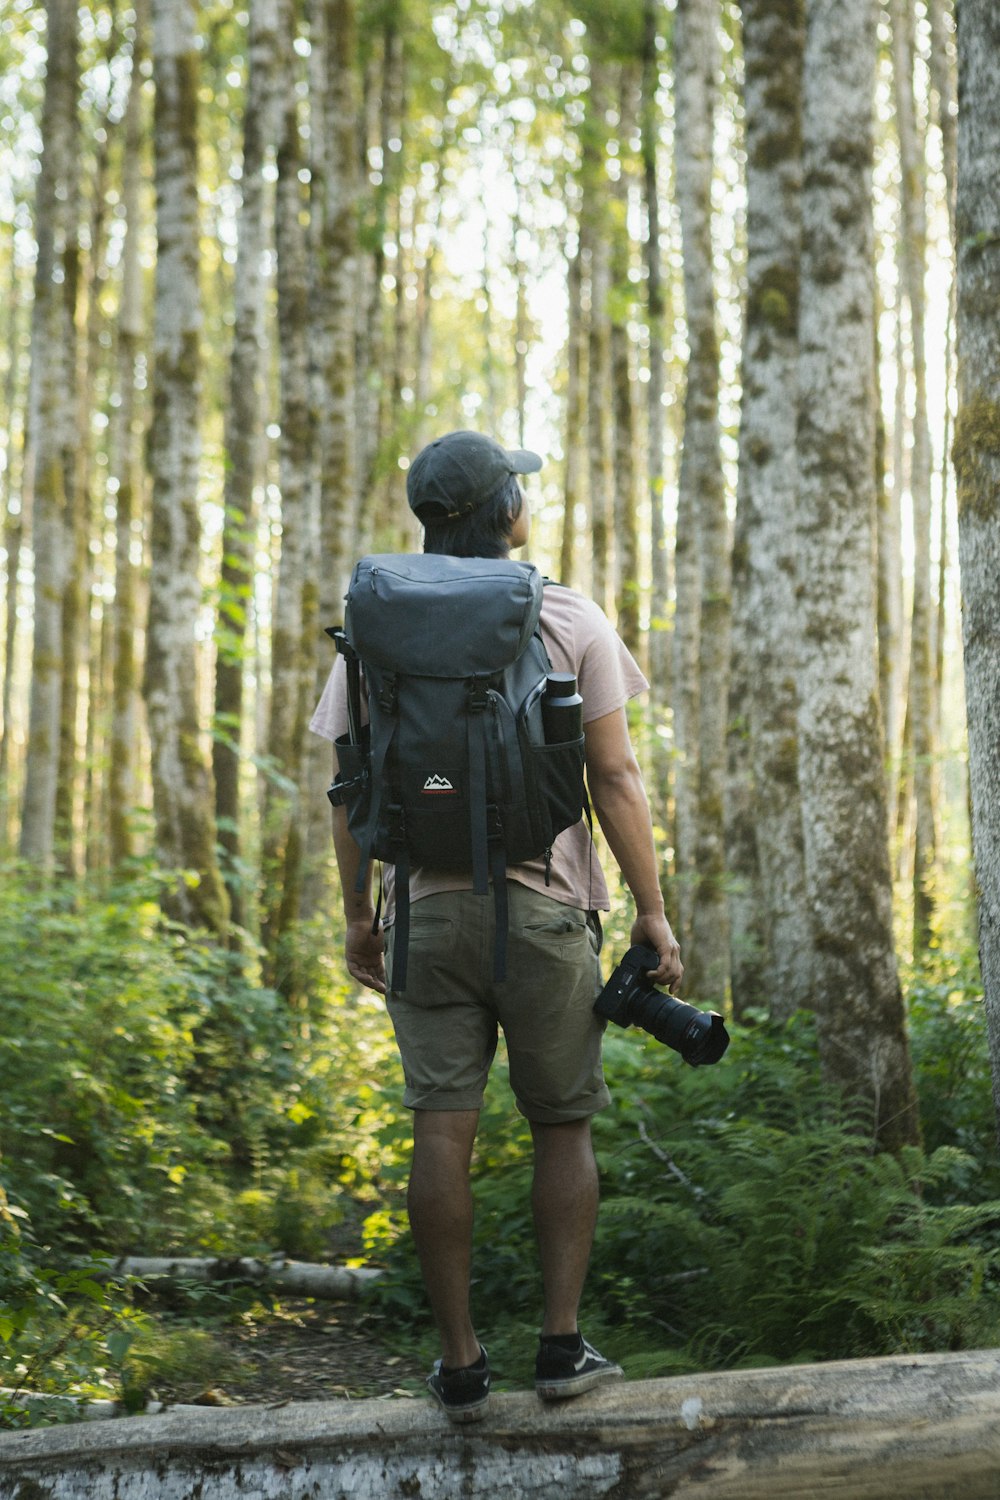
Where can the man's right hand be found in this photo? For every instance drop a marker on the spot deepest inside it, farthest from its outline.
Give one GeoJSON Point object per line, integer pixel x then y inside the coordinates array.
{"type": "Point", "coordinates": [365, 954]}
{"type": "Point", "coordinates": [654, 931]}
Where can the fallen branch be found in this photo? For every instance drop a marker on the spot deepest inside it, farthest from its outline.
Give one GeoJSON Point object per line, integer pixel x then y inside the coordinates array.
{"type": "Point", "coordinates": [294, 1278]}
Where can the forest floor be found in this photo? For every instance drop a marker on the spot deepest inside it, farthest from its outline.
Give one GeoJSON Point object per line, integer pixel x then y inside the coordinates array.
{"type": "Point", "coordinates": [302, 1351]}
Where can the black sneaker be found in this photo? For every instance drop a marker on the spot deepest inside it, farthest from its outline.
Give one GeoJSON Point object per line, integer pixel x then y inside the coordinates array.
{"type": "Point", "coordinates": [561, 1372]}
{"type": "Point", "coordinates": [462, 1394]}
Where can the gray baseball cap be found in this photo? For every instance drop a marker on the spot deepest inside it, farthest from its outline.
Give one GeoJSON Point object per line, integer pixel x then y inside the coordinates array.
{"type": "Point", "coordinates": [452, 476]}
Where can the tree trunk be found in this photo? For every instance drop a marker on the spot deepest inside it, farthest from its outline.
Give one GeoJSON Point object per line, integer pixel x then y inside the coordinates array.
{"type": "Point", "coordinates": [702, 489]}
{"type": "Point", "coordinates": [13, 538]}
{"type": "Point", "coordinates": [182, 791]}
{"type": "Point", "coordinates": [920, 1426]}
{"type": "Point", "coordinates": [863, 1044]}
{"type": "Point", "coordinates": [126, 458]}
{"type": "Point", "coordinates": [52, 420]}
{"type": "Point", "coordinates": [337, 289]}
{"type": "Point", "coordinates": [243, 447]}
{"type": "Point", "coordinates": [574, 483]}
{"type": "Point", "coordinates": [79, 780]}
{"type": "Point", "coordinates": [751, 981]}
{"type": "Point", "coordinates": [914, 257]}
{"type": "Point", "coordinates": [659, 640]}
{"type": "Point", "coordinates": [773, 41]}
{"type": "Point", "coordinates": [292, 655]}
{"type": "Point", "coordinates": [890, 587]}
{"type": "Point", "coordinates": [942, 79]}
{"type": "Point", "coordinates": [977, 467]}
{"type": "Point", "coordinates": [624, 416]}
{"type": "Point", "coordinates": [594, 230]}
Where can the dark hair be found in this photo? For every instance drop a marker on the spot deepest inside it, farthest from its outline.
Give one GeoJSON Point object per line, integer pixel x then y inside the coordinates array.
{"type": "Point", "coordinates": [483, 533]}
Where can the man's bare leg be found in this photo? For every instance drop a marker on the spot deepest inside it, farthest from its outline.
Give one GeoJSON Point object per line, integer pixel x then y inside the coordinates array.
{"type": "Point", "coordinates": [564, 1198]}
{"type": "Point", "coordinates": [440, 1207]}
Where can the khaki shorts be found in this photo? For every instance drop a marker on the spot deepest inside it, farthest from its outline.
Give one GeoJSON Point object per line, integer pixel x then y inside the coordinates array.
{"type": "Point", "coordinates": [446, 1020]}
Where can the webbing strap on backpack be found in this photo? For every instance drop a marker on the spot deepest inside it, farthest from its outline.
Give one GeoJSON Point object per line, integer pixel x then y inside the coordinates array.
{"type": "Point", "coordinates": [380, 750]}
{"type": "Point", "coordinates": [401, 941]}
{"type": "Point", "coordinates": [478, 700]}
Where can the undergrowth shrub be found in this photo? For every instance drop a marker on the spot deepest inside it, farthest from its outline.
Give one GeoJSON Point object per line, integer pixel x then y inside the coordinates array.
{"type": "Point", "coordinates": [744, 1219]}
{"type": "Point", "coordinates": [157, 1098]}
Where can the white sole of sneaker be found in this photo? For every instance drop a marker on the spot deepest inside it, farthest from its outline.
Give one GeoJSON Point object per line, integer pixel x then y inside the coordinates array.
{"type": "Point", "coordinates": [561, 1390]}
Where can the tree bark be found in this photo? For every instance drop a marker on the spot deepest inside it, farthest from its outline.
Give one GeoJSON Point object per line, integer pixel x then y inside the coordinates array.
{"type": "Point", "coordinates": [773, 42]}
{"type": "Point", "coordinates": [336, 287]}
{"type": "Point", "coordinates": [702, 495]}
{"type": "Point", "coordinates": [244, 412]}
{"type": "Point", "coordinates": [923, 1426]}
{"type": "Point", "coordinates": [659, 640]}
{"type": "Point", "coordinates": [574, 483]}
{"type": "Point", "coordinates": [593, 178]}
{"type": "Point", "coordinates": [52, 421]}
{"type": "Point", "coordinates": [126, 459]}
{"type": "Point", "coordinates": [182, 791]}
{"type": "Point", "coordinates": [863, 1044]}
{"type": "Point", "coordinates": [13, 538]}
{"type": "Point", "coordinates": [914, 257]}
{"type": "Point", "coordinates": [292, 655]}
{"type": "Point", "coordinates": [624, 415]}
{"type": "Point", "coordinates": [977, 467]}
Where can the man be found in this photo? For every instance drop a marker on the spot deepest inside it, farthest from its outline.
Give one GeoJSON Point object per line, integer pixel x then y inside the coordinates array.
{"type": "Point", "coordinates": [464, 491]}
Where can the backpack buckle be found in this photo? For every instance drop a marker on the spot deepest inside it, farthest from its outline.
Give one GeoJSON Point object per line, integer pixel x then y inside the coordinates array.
{"type": "Point", "coordinates": [388, 698]}
{"type": "Point", "coordinates": [478, 696]}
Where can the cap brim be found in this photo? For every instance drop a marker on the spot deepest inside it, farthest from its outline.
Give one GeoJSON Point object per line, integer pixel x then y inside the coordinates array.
{"type": "Point", "coordinates": [523, 461]}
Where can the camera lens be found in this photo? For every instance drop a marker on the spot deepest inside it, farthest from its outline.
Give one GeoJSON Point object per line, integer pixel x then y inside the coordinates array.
{"type": "Point", "coordinates": [699, 1036]}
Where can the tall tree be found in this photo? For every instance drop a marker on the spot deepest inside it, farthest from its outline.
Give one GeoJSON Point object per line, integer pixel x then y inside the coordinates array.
{"type": "Point", "coordinates": [773, 42]}
{"type": "Point", "coordinates": [913, 248]}
{"type": "Point", "coordinates": [659, 655]}
{"type": "Point", "coordinates": [335, 205]}
{"type": "Point", "coordinates": [625, 417]}
{"type": "Point", "coordinates": [294, 610]}
{"type": "Point", "coordinates": [863, 1043]}
{"type": "Point", "coordinates": [594, 235]}
{"type": "Point", "coordinates": [977, 466]}
{"type": "Point", "coordinates": [127, 471]}
{"type": "Point", "coordinates": [182, 792]}
{"type": "Point", "coordinates": [52, 418]}
{"type": "Point", "coordinates": [13, 537]}
{"type": "Point", "coordinates": [702, 502]}
{"type": "Point", "coordinates": [243, 443]}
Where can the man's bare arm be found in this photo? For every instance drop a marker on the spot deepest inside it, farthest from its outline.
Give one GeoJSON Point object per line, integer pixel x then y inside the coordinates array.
{"type": "Point", "coordinates": [364, 949]}
{"type": "Point", "coordinates": [620, 802]}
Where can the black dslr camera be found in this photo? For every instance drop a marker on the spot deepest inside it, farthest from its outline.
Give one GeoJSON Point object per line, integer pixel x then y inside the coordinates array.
{"type": "Point", "coordinates": [629, 999]}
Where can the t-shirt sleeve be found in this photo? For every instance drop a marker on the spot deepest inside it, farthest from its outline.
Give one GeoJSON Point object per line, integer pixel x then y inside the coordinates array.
{"type": "Point", "coordinates": [330, 718]}
{"type": "Point", "coordinates": [607, 672]}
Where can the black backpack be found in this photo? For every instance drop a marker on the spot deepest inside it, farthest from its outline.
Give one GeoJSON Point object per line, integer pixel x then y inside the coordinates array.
{"type": "Point", "coordinates": [452, 772]}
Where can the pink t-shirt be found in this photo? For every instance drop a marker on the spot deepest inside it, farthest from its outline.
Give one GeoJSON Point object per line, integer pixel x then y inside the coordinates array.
{"type": "Point", "coordinates": [579, 639]}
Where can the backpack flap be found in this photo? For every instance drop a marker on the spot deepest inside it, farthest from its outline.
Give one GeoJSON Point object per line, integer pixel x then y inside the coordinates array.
{"type": "Point", "coordinates": [422, 615]}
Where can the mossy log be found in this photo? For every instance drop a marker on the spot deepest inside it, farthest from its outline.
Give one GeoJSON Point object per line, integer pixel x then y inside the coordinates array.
{"type": "Point", "coordinates": [925, 1427]}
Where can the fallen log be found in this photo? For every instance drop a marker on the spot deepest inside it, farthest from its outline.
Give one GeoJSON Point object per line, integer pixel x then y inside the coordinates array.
{"type": "Point", "coordinates": [294, 1278]}
{"type": "Point", "coordinates": [925, 1427]}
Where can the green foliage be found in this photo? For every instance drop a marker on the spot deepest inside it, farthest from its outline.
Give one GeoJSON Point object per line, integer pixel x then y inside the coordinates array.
{"type": "Point", "coordinates": [160, 1099]}
{"type": "Point", "coordinates": [744, 1220]}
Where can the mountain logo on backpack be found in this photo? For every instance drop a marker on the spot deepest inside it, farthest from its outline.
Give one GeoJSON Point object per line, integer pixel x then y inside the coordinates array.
{"type": "Point", "coordinates": [435, 785]}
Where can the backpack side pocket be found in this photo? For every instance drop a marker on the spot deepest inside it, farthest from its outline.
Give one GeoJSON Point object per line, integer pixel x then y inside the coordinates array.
{"type": "Point", "coordinates": [556, 773]}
